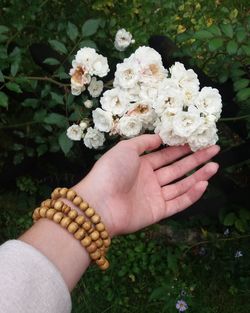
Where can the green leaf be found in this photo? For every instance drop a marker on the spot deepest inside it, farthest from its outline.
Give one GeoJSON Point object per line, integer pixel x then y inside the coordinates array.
{"type": "Point", "coordinates": [14, 67]}
{"type": "Point", "coordinates": [203, 35]}
{"type": "Point", "coordinates": [51, 61]}
{"type": "Point", "coordinates": [3, 29]}
{"type": "Point", "coordinates": [232, 47]}
{"type": "Point", "coordinates": [215, 30]}
{"type": "Point", "coordinates": [14, 87]}
{"type": "Point", "coordinates": [3, 100]}
{"type": "Point", "coordinates": [65, 143]}
{"type": "Point", "coordinates": [240, 84]}
{"type": "Point", "coordinates": [56, 119]}
{"type": "Point", "coordinates": [215, 44]}
{"type": "Point", "coordinates": [40, 115]}
{"type": "Point", "coordinates": [57, 98]}
{"type": "Point", "coordinates": [227, 30]}
{"type": "Point", "coordinates": [41, 149]}
{"type": "Point", "coordinates": [72, 31]}
{"type": "Point", "coordinates": [88, 43]}
{"type": "Point", "coordinates": [240, 225]}
{"type": "Point", "coordinates": [243, 94]}
{"type": "Point", "coordinates": [1, 77]}
{"type": "Point", "coordinates": [30, 103]}
{"type": "Point", "coordinates": [229, 219]}
{"type": "Point", "coordinates": [90, 27]}
{"type": "Point", "coordinates": [241, 35]}
{"type": "Point", "coordinates": [244, 214]}
{"type": "Point", "coordinates": [246, 49]}
{"type": "Point", "coordinates": [58, 46]}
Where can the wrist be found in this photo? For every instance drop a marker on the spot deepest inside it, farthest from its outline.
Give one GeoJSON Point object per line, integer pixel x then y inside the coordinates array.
{"type": "Point", "coordinates": [98, 201]}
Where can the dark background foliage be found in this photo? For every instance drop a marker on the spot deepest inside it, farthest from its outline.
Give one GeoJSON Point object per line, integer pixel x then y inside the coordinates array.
{"type": "Point", "coordinates": [188, 253]}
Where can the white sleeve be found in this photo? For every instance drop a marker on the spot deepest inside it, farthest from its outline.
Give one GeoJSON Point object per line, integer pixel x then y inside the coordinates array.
{"type": "Point", "coordinates": [30, 282]}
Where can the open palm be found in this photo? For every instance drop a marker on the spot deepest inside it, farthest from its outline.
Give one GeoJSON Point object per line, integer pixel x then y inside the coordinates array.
{"type": "Point", "coordinates": [133, 190]}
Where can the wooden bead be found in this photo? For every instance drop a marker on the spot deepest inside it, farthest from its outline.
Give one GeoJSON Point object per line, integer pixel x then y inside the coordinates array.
{"type": "Point", "coordinates": [102, 250]}
{"type": "Point", "coordinates": [95, 219]}
{"type": "Point", "coordinates": [86, 241]}
{"type": "Point", "coordinates": [50, 213]}
{"type": "Point", "coordinates": [58, 217]}
{"type": "Point", "coordinates": [91, 230]}
{"type": "Point", "coordinates": [56, 193]}
{"type": "Point", "coordinates": [58, 205]}
{"type": "Point", "coordinates": [65, 222]}
{"type": "Point", "coordinates": [43, 211]}
{"type": "Point", "coordinates": [104, 234]}
{"type": "Point", "coordinates": [95, 235]}
{"type": "Point", "coordinates": [73, 227]}
{"type": "Point", "coordinates": [66, 209]}
{"type": "Point", "coordinates": [101, 261]}
{"type": "Point", "coordinates": [83, 206]}
{"type": "Point", "coordinates": [95, 255]}
{"type": "Point", "coordinates": [107, 242]}
{"type": "Point", "coordinates": [79, 234]}
{"type": "Point", "coordinates": [36, 214]}
{"type": "Point", "coordinates": [99, 243]}
{"type": "Point", "coordinates": [71, 194]}
{"type": "Point", "coordinates": [105, 266]}
{"type": "Point", "coordinates": [87, 226]}
{"type": "Point", "coordinates": [46, 203]}
{"type": "Point", "coordinates": [52, 203]}
{"type": "Point", "coordinates": [90, 212]}
{"type": "Point", "coordinates": [80, 219]}
{"type": "Point", "coordinates": [77, 200]}
{"type": "Point", "coordinates": [63, 192]}
{"type": "Point", "coordinates": [91, 248]}
{"type": "Point", "coordinates": [100, 227]}
{"type": "Point", "coordinates": [72, 214]}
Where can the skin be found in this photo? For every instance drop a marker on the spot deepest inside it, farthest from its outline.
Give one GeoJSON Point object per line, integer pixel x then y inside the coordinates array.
{"type": "Point", "coordinates": [130, 190]}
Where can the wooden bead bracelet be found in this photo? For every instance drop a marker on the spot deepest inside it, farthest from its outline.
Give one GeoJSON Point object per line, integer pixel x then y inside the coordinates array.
{"type": "Point", "coordinates": [88, 229]}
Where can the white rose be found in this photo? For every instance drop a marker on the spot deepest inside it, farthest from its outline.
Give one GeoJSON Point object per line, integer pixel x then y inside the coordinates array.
{"type": "Point", "coordinates": [185, 123]}
{"type": "Point", "coordinates": [123, 39]}
{"type": "Point", "coordinates": [200, 140]}
{"type": "Point", "coordinates": [76, 90]}
{"type": "Point", "coordinates": [88, 104]}
{"type": "Point", "coordinates": [85, 57]}
{"type": "Point", "coordinates": [209, 102]}
{"type": "Point", "coordinates": [74, 132]}
{"type": "Point", "coordinates": [130, 126]}
{"type": "Point", "coordinates": [165, 131]}
{"type": "Point", "coordinates": [114, 101]}
{"type": "Point", "coordinates": [126, 75]}
{"type": "Point", "coordinates": [84, 124]}
{"type": "Point", "coordinates": [103, 120]}
{"type": "Point", "coordinates": [93, 138]}
{"type": "Point", "coordinates": [146, 56]}
{"type": "Point", "coordinates": [186, 79]}
{"type": "Point", "coordinates": [95, 87]}
{"type": "Point", "coordinates": [100, 66]}
{"type": "Point", "coordinates": [169, 100]}
{"type": "Point", "coordinates": [145, 114]}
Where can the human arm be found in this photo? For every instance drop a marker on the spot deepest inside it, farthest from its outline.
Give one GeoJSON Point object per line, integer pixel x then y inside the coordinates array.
{"type": "Point", "coordinates": [130, 190]}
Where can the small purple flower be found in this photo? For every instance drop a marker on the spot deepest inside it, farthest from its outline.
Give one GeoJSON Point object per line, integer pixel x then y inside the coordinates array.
{"type": "Point", "coordinates": [181, 305]}
{"type": "Point", "coordinates": [238, 254]}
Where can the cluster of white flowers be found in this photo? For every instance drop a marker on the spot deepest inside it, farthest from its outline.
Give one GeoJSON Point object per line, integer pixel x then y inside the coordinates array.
{"type": "Point", "coordinates": [86, 64]}
{"type": "Point", "coordinates": [123, 39]}
{"type": "Point", "coordinates": [148, 97]}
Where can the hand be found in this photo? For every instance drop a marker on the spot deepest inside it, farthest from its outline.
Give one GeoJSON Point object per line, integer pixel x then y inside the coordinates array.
{"type": "Point", "coordinates": [131, 190]}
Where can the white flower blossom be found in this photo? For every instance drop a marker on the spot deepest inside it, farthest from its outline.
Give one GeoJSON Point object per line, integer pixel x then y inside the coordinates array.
{"type": "Point", "coordinates": [209, 102]}
{"type": "Point", "coordinates": [129, 126]}
{"type": "Point", "coordinates": [74, 132]}
{"type": "Point", "coordinates": [123, 39]}
{"type": "Point", "coordinates": [93, 138]}
{"type": "Point", "coordinates": [114, 101]}
{"type": "Point", "coordinates": [126, 75]}
{"type": "Point", "coordinates": [103, 120]}
{"type": "Point", "coordinates": [95, 87]}
{"type": "Point", "coordinates": [100, 66]}
{"type": "Point", "coordinates": [88, 104]}
{"type": "Point", "coordinates": [84, 124]}
{"type": "Point", "coordinates": [186, 79]}
{"type": "Point", "coordinates": [186, 123]}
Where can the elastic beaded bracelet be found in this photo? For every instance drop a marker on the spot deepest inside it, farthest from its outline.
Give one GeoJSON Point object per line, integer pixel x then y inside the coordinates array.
{"type": "Point", "coordinates": [95, 218]}
{"type": "Point", "coordinates": [58, 217]}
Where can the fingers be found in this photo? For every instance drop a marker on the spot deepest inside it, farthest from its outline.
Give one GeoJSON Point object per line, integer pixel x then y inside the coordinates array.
{"type": "Point", "coordinates": [187, 199]}
{"type": "Point", "coordinates": [145, 143]}
{"type": "Point", "coordinates": [176, 170]}
{"type": "Point", "coordinates": [167, 155]}
{"type": "Point", "coordinates": [174, 190]}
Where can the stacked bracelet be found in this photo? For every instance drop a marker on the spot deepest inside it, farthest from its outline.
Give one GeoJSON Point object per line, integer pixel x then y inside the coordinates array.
{"type": "Point", "coordinates": [88, 229]}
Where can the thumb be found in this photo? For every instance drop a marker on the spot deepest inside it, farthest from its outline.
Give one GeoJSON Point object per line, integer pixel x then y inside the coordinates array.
{"type": "Point", "coordinates": [145, 142]}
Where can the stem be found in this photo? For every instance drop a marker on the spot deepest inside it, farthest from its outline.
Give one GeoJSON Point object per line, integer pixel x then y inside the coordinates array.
{"type": "Point", "coordinates": [19, 125]}
{"type": "Point", "coordinates": [229, 119]}
{"type": "Point", "coordinates": [45, 78]}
